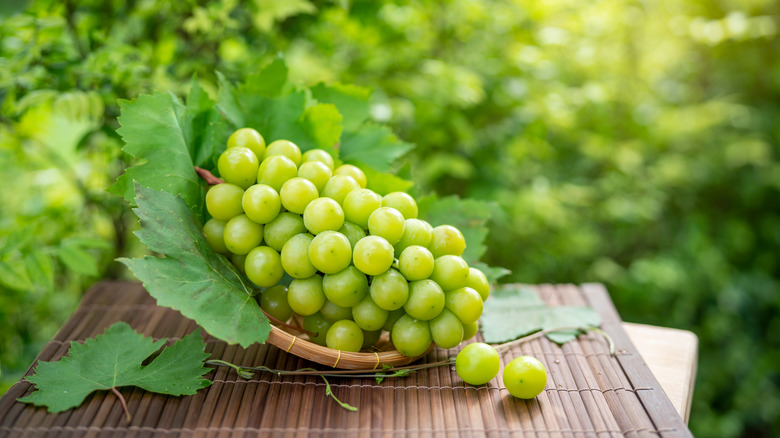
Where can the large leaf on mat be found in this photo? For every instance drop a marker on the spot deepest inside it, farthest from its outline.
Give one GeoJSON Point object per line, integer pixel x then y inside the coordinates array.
{"type": "Point", "coordinates": [192, 278]}
{"type": "Point", "coordinates": [516, 311]}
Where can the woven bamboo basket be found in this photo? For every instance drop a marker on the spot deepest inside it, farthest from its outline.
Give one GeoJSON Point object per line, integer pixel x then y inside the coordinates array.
{"type": "Point", "coordinates": [382, 353]}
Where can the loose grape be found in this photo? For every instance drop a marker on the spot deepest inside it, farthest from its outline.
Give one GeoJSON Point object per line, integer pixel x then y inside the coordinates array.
{"type": "Point", "coordinates": [416, 263]}
{"type": "Point", "coordinates": [297, 193]}
{"type": "Point", "coordinates": [372, 255]}
{"type": "Point", "coordinates": [447, 240]}
{"type": "Point", "coordinates": [238, 166]}
{"type": "Point", "coordinates": [316, 172]}
{"type": "Point", "coordinates": [345, 288]}
{"type": "Point", "coordinates": [344, 335]}
{"type": "Point", "coordinates": [275, 170]}
{"type": "Point", "coordinates": [330, 252]}
{"type": "Point", "coordinates": [305, 295]}
{"type": "Point", "coordinates": [286, 225]}
{"type": "Point", "coordinates": [338, 186]}
{"type": "Point", "coordinates": [248, 138]}
{"type": "Point", "coordinates": [241, 234]}
{"type": "Point", "coordinates": [402, 202]}
{"type": "Point", "coordinates": [465, 303]}
{"type": "Point", "coordinates": [450, 271]}
{"type": "Point", "coordinates": [359, 204]}
{"type": "Point", "coordinates": [354, 172]}
{"type": "Point", "coordinates": [261, 203]}
{"type": "Point", "coordinates": [411, 337]}
{"type": "Point", "coordinates": [525, 377]}
{"type": "Point", "coordinates": [367, 315]}
{"type": "Point", "coordinates": [389, 290]}
{"type": "Point", "coordinates": [479, 282]}
{"type": "Point", "coordinates": [323, 214]}
{"type": "Point", "coordinates": [223, 201]}
{"type": "Point", "coordinates": [318, 155]}
{"type": "Point", "coordinates": [333, 312]}
{"type": "Point", "coordinates": [446, 329]}
{"type": "Point", "coordinates": [318, 325]}
{"type": "Point", "coordinates": [386, 222]}
{"type": "Point", "coordinates": [295, 256]}
{"type": "Point", "coordinates": [286, 148]}
{"type": "Point", "coordinates": [426, 300]}
{"type": "Point", "coordinates": [477, 363]}
{"type": "Point", "coordinates": [274, 301]}
{"type": "Point", "coordinates": [213, 231]}
{"type": "Point", "coordinates": [263, 266]}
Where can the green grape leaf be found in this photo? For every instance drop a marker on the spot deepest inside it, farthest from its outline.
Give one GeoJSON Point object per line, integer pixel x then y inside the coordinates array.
{"type": "Point", "coordinates": [207, 128]}
{"type": "Point", "coordinates": [115, 359]}
{"type": "Point", "coordinates": [191, 277]}
{"type": "Point", "coordinates": [374, 146]}
{"type": "Point", "coordinates": [351, 100]}
{"type": "Point", "coordinates": [154, 129]}
{"type": "Point", "coordinates": [322, 123]}
{"type": "Point", "coordinates": [470, 216]}
{"type": "Point", "coordinates": [514, 311]}
{"type": "Point", "coordinates": [384, 183]}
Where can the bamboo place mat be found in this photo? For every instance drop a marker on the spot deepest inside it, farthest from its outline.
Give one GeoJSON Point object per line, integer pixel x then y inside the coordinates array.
{"type": "Point", "coordinates": [589, 392]}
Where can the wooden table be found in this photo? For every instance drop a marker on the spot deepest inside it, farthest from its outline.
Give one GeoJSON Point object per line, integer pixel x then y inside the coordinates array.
{"type": "Point", "coordinates": [672, 356]}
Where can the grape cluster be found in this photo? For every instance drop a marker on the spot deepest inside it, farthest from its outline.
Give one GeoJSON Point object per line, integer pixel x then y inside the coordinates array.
{"type": "Point", "coordinates": [360, 262]}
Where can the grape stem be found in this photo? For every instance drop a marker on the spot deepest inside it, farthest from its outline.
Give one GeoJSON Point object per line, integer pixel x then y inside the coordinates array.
{"type": "Point", "coordinates": [208, 176]}
{"type": "Point", "coordinates": [507, 345]}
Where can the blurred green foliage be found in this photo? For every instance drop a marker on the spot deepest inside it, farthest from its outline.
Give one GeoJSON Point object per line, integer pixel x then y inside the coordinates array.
{"type": "Point", "coordinates": [633, 143]}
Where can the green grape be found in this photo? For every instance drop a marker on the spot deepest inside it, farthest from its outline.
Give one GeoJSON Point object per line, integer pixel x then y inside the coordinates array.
{"type": "Point", "coordinates": [286, 148]}
{"type": "Point", "coordinates": [316, 172]}
{"type": "Point", "coordinates": [416, 263]}
{"type": "Point", "coordinates": [389, 290]}
{"type": "Point", "coordinates": [333, 312]}
{"type": "Point", "coordinates": [297, 193]}
{"type": "Point", "coordinates": [446, 329]}
{"type": "Point", "coordinates": [354, 172]}
{"type": "Point", "coordinates": [353, 232]}
{"type": "Point", "coordinates": [274, 301]}
{"type": "Point", "coordinates": [392, 317]}
{"type": "Point", "coordinates": [372, 255]}
{"type": "Point", "coordinates": [402, 202]}
{"type": "Point", "coordinates": [387, 222]}
{"type": "Point", "coordinates": [330, 252]}
{"type": "Point", "coordinates": [263, 266]}
{"type": "Point", "coordinates": [223, 201]}
{"type": "Point", "coordinates": [238, 166]}
{"type": "Point", "coordinates": [525, 377]}
{"type": "Point", "coordinates": [295, 256]}
{"type": "Point", "coordinates": [450, 271]}
{"type": "Point", "coordinates": [344, 335]}
{"type": "Point", "coordinates": [213, 231]}
{"type": "Point", "coordinates": [261, 203]}
{"type": "Point", "coordinates": [447, 240]}
{"type": "Point", "coordinates": [323, 214]}
{"type": "Point", "coordinates": [465, 303]}
{"type": "Point", "coordinates": [426, 300]}
{"type": "Point", "coordinates": [345, 288]}
{"type": "Point", "coordinates": [305, 295]}
{"type": "Point", "coordinates": [411, 337]}
{"type": "Point", "coordinates": [286, 225]}
{"type": "Point", "coordinates": [318, 325]}
{"type": "Point", "coordinates": [477, 363]}
{"type": "Point", "coordinates": [338, 186]}
{"type": "Point", "coordinates": [479, 282]}
{"type": "Point", "coordinates": [248, 138]}
{"type": "Point", "coordinates": [367, 315]}
{"type": "Point", "coordinates": [416, 232]}
{"type": "Point", "coordinates": [275, 170]}
{"type": "Point", "coordinates": [359, 204]}
{"type": "Point", "coordinates": [371, 337]}
{"type": "Point", "coordinates": [470, 329]}
{"type": "Point", "coordinates": [241, 234]}
{"type": "Point", "coordinates": [320, 156]}
{"type": "Point", "coordinates": [239, 261]}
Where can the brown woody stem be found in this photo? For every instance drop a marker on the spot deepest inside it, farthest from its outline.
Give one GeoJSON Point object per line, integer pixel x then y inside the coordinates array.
{"type": "Point", "coordinates": [208, 176]}
{"type": "Point", "coordinates": [124, 403]}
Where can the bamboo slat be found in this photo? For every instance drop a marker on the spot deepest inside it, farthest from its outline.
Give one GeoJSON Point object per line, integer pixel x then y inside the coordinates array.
{"type": "Point", "coordinates": [589, 393]}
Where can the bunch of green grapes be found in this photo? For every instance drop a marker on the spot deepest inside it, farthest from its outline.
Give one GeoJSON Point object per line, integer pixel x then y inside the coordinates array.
{"type": "Point", "coordinates": [361, 263]}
